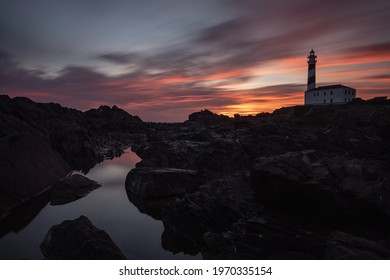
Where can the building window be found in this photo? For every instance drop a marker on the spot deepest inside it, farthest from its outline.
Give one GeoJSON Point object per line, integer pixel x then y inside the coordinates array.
{"type": "Point", "coordinates": [314, 94]}
{"type": "Point", "coordinates": [331, 92]}
{"type": "Point", "coordinates": [345, 100]}
{"type": "Point", "coordinates": [345, 91]}
{"type": "Point", "coordinates": [331, 100]}
{"type": "Point", "coordinates": [317, 93]}
{"type": "Point", "coordinates": [324, 101]}
{"type": "Point", "coordinates": [324, 93]}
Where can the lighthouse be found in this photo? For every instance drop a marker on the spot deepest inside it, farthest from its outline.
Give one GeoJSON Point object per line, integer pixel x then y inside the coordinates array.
{"type": "Point", "coordinates": [311, 77]}
{"type": "Point", "coordinates": [325, 95]}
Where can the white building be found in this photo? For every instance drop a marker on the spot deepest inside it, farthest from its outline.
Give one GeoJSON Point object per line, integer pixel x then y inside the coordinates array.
{"type": "Point", "coordinates": [333, 94]}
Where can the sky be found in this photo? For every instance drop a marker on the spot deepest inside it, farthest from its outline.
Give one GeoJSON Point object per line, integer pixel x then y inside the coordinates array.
{"type": "Point", "coordinates": [164, 59]}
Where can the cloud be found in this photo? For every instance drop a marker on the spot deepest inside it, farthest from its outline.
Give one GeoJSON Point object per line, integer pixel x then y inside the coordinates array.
{"type": "Point", "coordinates": [225, 64]}
{"type": "Point", "coordinates": [379, 77]}
{"type": "Point", "coordinates": [118, 58]}
{"type": "Point", "coordinates": [376, 49]}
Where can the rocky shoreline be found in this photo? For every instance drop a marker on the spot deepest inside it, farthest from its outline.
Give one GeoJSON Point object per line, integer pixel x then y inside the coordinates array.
{"type": "Point", "coordinates": [305, 182]}
{"type": "Point", "coordinates": [41, 143]}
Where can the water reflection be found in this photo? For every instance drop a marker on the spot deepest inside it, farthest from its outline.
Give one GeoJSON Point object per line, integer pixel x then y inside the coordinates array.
{"type": "Point", "coordinates": [137, 235]}
{"type": "Point", "coordinates": [22, 216]}
{"type": "Point", "coordinates": [151, 207]}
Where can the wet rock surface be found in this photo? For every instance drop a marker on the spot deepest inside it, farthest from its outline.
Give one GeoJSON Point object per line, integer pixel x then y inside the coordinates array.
{"type": "Point", "coordinates": [71, 188]}
{"type": "Point", "coordinates": [79, 239]}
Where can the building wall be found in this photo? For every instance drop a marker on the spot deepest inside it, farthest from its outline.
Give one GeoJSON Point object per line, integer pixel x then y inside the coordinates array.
{"type": "Point", "coordinates": [337, 95]}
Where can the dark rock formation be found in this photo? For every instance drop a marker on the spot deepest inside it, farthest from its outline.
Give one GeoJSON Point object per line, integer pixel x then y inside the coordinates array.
{"type": "Point", "coordinates": [71, 188]}
{"type": "Point", "coordinates": [148, 183]}
{"type": "Point", "coordinates": [342, 246]}
{"type": "Point", "coordinates": [267, 237]}
{"type": "Point", "coordinates": [79, 239]}
{"type": "Point", "coordinates": [41, 143]}
{"type": "Point", "coordinates": [28, 163]}
{"type": "Point", "coordinates": [324, 189]}
{"type": "Point", "coordinates": [152, 189]}
{"type": "Point", "coordinates": [77, 146]}
{"type": "Point", "coordinates": [313, 170]}
{"type": "Point", "coordinates": [82, 139]}
{"type": "Point", "coordinates": [213, 208]}
{"type": "Point", "coordinates": [153, 207]}
{"type": "Point", "coordinates": [280, 185]}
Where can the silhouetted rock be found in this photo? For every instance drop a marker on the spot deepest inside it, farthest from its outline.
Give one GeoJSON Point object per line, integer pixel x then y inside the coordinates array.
{"type": "Point", "coordinates": [28, 167]}
{"type": "Point", "coordinates": [314, 170]}
{"type": "Point", "coordinates": [147, 183]}
{"type": "Point", "coordinates": [77, 146]}
{"type": "Point", "coordinates": [207, 117]}
{"type": "Point", "coordinates": [325, 189]}
{"type": "Point", "coordinates": [153, 207]}
{"type": "Point", "coordinates": [79, 239]}
{"type": "Point", "coordinates": [71, 188]}
{"type": "Point", "coordinates": [266, 186]}
{"type": "Point", "coordinates": [213, 208]}
{"type": "Point", "coordinates": [42, 142]}
{"type": "Point", "coordinates": [272, 237]}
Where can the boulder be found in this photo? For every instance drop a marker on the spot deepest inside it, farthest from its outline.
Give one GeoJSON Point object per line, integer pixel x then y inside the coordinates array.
{"type": "Point", "coordinates": [323, 189]}
{"type": "Point", "coordinates": [153, 207]}
{"type": "Point", "coordinates": [28, 167]}
{"type": "Point", "coordinates": [270, 237]}
{"type": "Point", "coordinates": [147, 183]}
{"type": "Point", "coordinates": [71, 188]}
{"type": "Point", "coordinates": [214, 207]}
{"type": "Point", "coordinates": [79, 239]}
{"type": "Point", "coordinates": [77, 146]}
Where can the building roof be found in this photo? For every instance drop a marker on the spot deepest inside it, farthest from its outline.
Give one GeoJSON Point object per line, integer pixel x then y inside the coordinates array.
{"type": "Point", "coordinates": [330, 87]}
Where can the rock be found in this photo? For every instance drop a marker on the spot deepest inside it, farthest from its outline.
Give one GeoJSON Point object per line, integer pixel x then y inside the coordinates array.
{"type": "Point", "coordinates": [77, 146]}
{"type": "Point", "coordinates": [323, 189]}
{"type": "Point", "coordinates": [42, 142]}
{"type": "Point", "coordinates": [270, 237]}
{"type": "Point", "coordinates": [79, 239]}
{"type": "Point", "coordinates": [71, 188]}
{"type": "Point", "coordinates": [153, 207]}
{"type": "Point", "coordinates": [343, 246]}
{"type": "Point", "coordinates": [313, 170]}
{"type": "Point", "coordinates": [147, 183]}
{"type": "Point", "coordinates": [28, 167]}
{"type": "Point", "coordinates": [207, 117]}
{"type": "Point", "coordinates": [213, 208]}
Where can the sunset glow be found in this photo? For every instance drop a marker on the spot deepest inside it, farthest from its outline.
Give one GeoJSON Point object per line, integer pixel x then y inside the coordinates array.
{"type": "Point", "coordinates": [162, 64]}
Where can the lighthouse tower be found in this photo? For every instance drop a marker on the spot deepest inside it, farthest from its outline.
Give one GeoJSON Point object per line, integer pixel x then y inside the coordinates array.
{"type": "Point", "coordinates": [311, 78]}
{"type": "Point", "coordinates": [325, 95]}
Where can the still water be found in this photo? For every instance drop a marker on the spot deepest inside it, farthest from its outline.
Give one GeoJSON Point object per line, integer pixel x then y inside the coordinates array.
{"type": "Point", "coordinates": [137, 235]}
